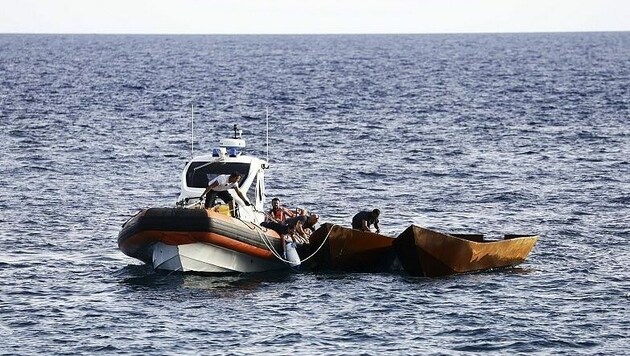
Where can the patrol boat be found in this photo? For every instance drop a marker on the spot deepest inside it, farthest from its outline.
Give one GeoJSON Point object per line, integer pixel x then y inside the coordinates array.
{"type": "Point", "coordinates": [190, 238]}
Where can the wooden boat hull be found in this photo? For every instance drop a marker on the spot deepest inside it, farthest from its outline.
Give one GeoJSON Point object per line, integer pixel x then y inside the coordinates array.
{"type": "Point", "coordinates": [199, 240]}
{"type": "Point", "coordinates": [424, 252]}
{"type": "Point", "coordinates": [345, 249]}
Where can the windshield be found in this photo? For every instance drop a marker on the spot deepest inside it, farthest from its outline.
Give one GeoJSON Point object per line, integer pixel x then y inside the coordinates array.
{"type": "Point", "coordinates": [200, 173]}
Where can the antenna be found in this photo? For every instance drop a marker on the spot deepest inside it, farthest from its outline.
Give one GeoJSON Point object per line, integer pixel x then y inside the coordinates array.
{"type": "Point", "coordinates": [267, 110]}
{"type": "Point", "coordinates": [192, 130]}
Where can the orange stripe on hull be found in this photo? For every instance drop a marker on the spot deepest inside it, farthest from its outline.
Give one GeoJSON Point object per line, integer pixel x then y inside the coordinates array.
{"type": "Point", "coordinates": [145, 238]}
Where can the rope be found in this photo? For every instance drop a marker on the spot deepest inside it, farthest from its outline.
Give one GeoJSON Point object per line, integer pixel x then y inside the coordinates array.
{"type": "Point", "coordinates": [265, 239]}
{"type": "Point", "coordinates": [269, 244]}
{"type": "Point", "coordinates": [322, 244]}
{"type": "Point", "coordinates": [272, 249]}
{"type": "Point", "coordinates": [254, 227]}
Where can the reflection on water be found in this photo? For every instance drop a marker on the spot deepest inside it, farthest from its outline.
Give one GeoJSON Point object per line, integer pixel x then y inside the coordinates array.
{"type": "Point", "coordinates": [144, 277]}
{"type": "Point", "coordinates": [236, 282]}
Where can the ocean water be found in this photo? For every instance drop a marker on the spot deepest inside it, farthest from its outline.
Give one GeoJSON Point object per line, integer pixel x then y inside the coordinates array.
{"type": "Point", "coordinates": [494, 134]}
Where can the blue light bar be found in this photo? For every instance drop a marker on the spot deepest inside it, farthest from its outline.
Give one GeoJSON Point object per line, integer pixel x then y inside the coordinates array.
{"type": "Point", "coordinates": [233, 151]}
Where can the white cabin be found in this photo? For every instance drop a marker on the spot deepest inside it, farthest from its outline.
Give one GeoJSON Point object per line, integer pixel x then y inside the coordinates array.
{"type": "Point", "coordinates": [226, 159]}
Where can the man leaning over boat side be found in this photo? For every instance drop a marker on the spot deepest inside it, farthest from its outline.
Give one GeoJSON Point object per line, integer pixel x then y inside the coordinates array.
{"type": "Point", "coordinates": [296, 229]}
{"type": "Point", "coordinates": [363, 219]}
{"type": "Point", "coordinates": [303, 227]}
{"type": "Point", "coordinates": [219, 186]}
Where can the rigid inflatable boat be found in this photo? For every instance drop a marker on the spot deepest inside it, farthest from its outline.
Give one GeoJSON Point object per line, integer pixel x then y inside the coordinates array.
{"type": "Point", "coordinates": [191, 238]}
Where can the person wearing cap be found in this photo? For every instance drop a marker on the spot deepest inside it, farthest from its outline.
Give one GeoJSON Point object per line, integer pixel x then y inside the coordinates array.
{"type": "Point", "coordinates": [219, 186]}
{"type": "Point", "coordinates": [363, 219]}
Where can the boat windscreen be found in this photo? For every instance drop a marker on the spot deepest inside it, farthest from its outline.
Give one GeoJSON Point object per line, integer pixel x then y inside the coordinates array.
{"type": "Point", "coordinates": [200, 173]}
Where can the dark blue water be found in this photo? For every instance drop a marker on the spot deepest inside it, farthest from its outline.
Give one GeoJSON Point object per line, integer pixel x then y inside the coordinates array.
{"type": "Point", "coordinates": [521, 133]}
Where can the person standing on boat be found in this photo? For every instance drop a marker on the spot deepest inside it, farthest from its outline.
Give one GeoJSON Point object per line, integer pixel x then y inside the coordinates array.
{"type": "Point", "coordinates": [363, 219]}
{"type": "Point", "coordinates": [219, 186]}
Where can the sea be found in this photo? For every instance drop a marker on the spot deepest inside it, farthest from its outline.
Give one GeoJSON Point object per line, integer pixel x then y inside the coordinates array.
{"type": "Point", "coordinates": [465, 133]}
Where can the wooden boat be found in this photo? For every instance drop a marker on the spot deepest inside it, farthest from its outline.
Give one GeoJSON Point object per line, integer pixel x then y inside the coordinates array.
{"type": "Point", "coordinates": [345, 249]}
{"type": "Point", "coordinates": [424, 252]}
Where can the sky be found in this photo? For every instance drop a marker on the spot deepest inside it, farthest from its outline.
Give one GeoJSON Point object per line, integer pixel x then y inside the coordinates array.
{"type": "Point", "coordinates": [311, 16]}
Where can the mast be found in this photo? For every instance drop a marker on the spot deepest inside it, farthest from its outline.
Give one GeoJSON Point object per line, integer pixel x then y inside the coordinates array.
{"type": "Point", "coordinates": [192, 130]}
{"type": "Point", "coordinates": [267, 111]}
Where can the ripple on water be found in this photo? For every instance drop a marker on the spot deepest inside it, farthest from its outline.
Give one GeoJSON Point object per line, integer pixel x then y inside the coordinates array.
{"type": "Point", "coordinates": [476, 133]}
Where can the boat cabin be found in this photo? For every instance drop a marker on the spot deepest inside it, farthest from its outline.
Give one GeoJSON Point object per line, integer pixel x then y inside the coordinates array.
{"type": "Point", "coordinates": [226, 159]}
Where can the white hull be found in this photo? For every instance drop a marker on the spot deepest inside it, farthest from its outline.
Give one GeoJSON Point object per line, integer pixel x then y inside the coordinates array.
{"type": "Point", "coordinates": [204, 257]}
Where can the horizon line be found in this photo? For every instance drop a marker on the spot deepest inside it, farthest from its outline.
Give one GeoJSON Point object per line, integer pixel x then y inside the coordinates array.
{"type": "Point", "coordinates": [310, 33]}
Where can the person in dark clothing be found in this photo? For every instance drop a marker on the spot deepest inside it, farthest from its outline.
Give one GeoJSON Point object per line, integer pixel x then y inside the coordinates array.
{"type": "Point", "coordinates": [300, 227]}
{"type": "Point", "coordinates": [363, 219]}
{"type": "Point", "coordinates": [280, 227]}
